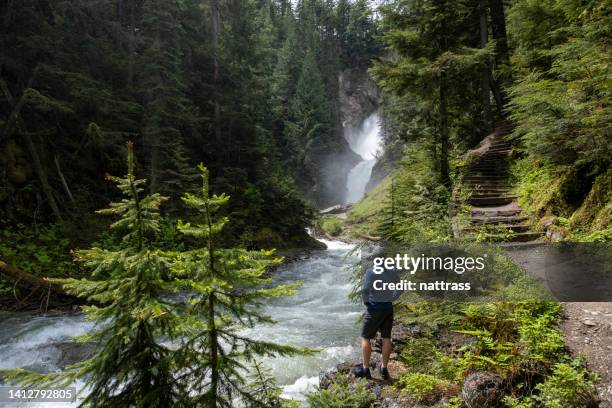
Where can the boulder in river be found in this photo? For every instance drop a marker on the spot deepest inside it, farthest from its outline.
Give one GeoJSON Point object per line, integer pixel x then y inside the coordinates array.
{"type": "Point", "coordinates": [71, 352]}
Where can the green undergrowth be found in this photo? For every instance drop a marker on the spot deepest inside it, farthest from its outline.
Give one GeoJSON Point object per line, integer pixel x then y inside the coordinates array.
{"type": "Point", "coordinates": [367, 215]}
{"type": "Point", "coordinates": [331, 225]}
{"type": "Point", "coordinates": [43, 251]}
{"type": "Point", "coordinates": [517, 342]}
{"type": "Point", "coordinates": [409, 205]}
{"type": "Point", "coordinates": [575, 202]}
{"type": "Point", "coordinates": [511, 334]}
{"type": "Point", "coordinates": [342, 394]}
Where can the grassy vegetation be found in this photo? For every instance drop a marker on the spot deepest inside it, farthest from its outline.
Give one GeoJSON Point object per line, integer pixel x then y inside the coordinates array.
{"type": "Point", "coordinates": [566, 200]}
{"type": "Point", "coordinates": [331, 225]}
{"type": "Point", "coordinates": [366, 215]}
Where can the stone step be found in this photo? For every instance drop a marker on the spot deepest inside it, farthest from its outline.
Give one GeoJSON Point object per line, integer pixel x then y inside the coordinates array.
{"type": "Point", "coordinates": [490, 192]}
{"type": "Point", "coordinates": [490, 201]}
{"type": "Point", "coordinates": [483, 212]}
{"type": "Point", "coordinates": [488, 172]}
{"type": "Point", "coordinates": [511, 227]}
{"type": "Point", "coordinates": [498, 220]}
{"type": "Point", "coordinates": [498, 164]}
{"type": "Point", "coordinates": [496, 153]}
{"type": "Point", "coordinates": [491, 195]}
{"type": "Point", "coordinates": [501, 183]}
{"type": "Point", "coordinates": [495, 149]}
{"type": "Point", "coordinates": [516, 237]}
{"type": "Point", "coordinates": [493, 160]}
{"type": "Point", "coordinates": [526, 236]}
{"type": "Point", "coordinates": [488, 166]}
{"type": "Point", "coordinates": [487, 177]}
{"type": "Point", "coordinates": [493, 187]}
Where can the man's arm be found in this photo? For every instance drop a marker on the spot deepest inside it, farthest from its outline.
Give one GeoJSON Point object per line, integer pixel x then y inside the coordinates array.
{"type": "Point", "coordinates": [366, 287]}
{"type": "Point", "coordinates": [396, 279]}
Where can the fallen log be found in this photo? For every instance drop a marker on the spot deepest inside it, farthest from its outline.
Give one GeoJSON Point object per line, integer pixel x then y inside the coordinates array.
{"type": "Point", "coordinates": [26, 280]}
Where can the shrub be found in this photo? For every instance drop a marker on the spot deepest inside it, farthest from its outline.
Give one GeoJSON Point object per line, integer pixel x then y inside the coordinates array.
{"type": "Point", "coordinates": [421, 355]}
{"type": "Point", "coordinates": [342, 394]}
{"type": "Point", "coordinates": [424, 388]}
{"type": "Point", "coordinates": [569, 386]}
{"type": "Point", "coordinates": [332, 226]}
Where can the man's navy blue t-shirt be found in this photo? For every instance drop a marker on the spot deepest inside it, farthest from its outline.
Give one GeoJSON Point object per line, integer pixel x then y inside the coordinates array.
{"type": "Point", "coordinates": [379, 299]}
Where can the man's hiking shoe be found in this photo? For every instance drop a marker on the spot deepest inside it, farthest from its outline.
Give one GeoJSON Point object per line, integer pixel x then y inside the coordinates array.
{"type": "Point", "coordinates": [361, 372]}
{"type": "Point", "coordinates": [384, 373]}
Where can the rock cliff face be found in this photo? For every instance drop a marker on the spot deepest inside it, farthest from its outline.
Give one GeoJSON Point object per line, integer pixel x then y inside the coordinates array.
{"type": "Point", "coordinates": [359, 96]}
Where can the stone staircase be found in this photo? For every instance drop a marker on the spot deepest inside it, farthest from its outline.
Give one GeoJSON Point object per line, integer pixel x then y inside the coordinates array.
{"type": "Point", "coordinates": [493, 208]}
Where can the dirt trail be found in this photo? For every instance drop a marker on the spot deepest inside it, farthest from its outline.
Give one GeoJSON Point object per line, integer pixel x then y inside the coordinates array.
{"type": "Point", "coordinates": [587, 326]}
{"type": "Point", "coordinates": [588, 331]}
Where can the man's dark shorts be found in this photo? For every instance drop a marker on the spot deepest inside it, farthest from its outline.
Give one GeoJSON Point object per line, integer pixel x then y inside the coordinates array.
{"type": "Point", "coordinates": [377, 320]}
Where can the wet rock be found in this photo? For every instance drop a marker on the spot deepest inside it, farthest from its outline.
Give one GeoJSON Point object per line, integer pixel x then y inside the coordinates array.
{"type": "Point", "coordinates": [482, 390]}
{"type": "Point", "coordinates": [358, 94]}
{"type": "Point", "coordinates": [71, 352]}
{"type": "Point", "coordinates": [336, 209]}
{"type": "Point", "coordinates": [400, 335]}
{"type": "Point", "coordinates": [328, 377]}
{"type": "Point", "coordinates": [395, 402]}
{"type": "Point", "coordinates": [376, 388]}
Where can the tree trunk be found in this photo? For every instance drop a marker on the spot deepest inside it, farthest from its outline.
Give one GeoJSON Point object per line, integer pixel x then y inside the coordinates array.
{"type": "Point", "coordinates": [498, 94]}
{"type": "Point", "coordinates": [214, 356]}
{"type": "Point", "coordinates": [131, 45]}
{"type": "Point", "coordinates": [63, 179]}
{"type": "Point", "coordinates": [42, 176]}
{"type": "Point", "coordinates": [216, 27]}
{"type": "Point", "coordinates": [485, 75]}
{"type": "Point", "coordinates": [14, 121]}
{"type": "Point", "coordinates": [14, 116]}
{"type": "Point", "coordinates": [444, 142]}
{"type": "Point", "coordinates": [28, 281]}
{"type": "Point", "coordinates": [498, 28]}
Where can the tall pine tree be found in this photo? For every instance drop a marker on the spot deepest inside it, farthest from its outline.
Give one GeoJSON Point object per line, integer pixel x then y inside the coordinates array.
{"type": "Point", "coordinates": [432, 60]}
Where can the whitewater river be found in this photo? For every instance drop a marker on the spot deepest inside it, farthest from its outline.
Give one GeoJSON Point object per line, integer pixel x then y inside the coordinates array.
{"type": "Point", "coordinates": [318, 316]}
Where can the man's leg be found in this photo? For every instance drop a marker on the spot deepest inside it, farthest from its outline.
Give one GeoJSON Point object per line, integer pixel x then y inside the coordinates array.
{"type": "Point", "coordinates": [387, 346]}
{"type": "Point", "coordinates": [366, 351]}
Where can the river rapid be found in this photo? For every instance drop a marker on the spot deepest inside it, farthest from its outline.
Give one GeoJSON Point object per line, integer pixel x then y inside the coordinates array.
{"type": "Point", "coordinates": [319, 316]}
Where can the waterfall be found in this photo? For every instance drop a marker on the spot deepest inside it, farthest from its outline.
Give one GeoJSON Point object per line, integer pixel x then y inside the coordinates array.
{"type": "Point", "coordinates": [364, 140]}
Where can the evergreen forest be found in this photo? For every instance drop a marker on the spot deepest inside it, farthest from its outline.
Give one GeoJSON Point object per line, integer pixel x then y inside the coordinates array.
{"type": "Point", "coordinates": [169, 168]}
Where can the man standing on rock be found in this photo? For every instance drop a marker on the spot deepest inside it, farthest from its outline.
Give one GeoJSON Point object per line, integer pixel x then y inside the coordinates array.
{"type": "Point", "coordinates": [378, 317]}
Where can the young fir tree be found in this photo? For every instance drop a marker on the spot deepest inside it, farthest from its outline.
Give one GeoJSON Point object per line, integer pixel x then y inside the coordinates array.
{"type": "Point", "coordinates": [132, 365]}
{"type": "Point", "coordinates": [231, 286]}
{"type": "Point", "coordinates": [262, 383]}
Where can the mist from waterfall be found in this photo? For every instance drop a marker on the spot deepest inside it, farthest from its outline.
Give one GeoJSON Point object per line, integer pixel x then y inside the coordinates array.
{"type": "Point", "coordinates": [365, 140]}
